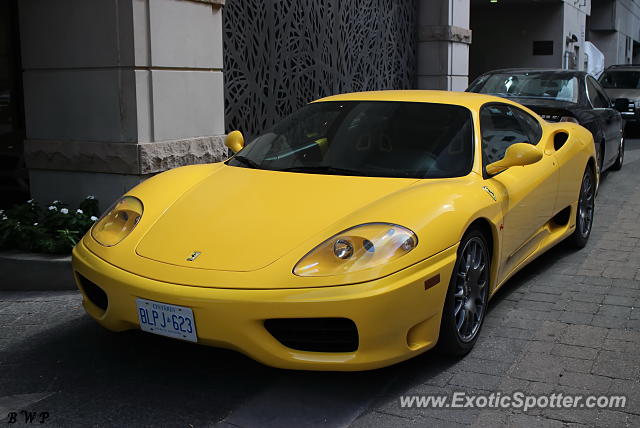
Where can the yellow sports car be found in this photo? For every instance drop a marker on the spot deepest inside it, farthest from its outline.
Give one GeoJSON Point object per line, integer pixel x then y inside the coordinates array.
{"type": "Point", "coordinates": [361, 231]}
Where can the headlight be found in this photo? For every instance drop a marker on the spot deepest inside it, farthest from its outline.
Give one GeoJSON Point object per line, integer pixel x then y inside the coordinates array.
{"type": "Point", "coordinates": [361, 247]}
{"type": "Point", "coordinates": [118, 222]}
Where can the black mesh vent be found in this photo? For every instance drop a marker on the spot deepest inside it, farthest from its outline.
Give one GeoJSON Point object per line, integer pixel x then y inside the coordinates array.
{"type": "Point", "coordinates": [315, 334]}
{"type": "Point", "coordinates": [94, 293]}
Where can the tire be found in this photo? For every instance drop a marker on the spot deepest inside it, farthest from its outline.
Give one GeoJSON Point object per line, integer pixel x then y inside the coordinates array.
{"type": "Point", "coordinates": [468, 291]}
{"type": "Point", "coordinates": [585, 210]}
{"type": "Point", "coordinates": [620, 159]}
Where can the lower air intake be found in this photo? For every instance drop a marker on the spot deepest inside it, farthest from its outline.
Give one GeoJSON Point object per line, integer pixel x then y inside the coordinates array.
{"type": "Point", "coordinates": [315, 334]}
{"type": "Point", "coordinates": [95, 294]}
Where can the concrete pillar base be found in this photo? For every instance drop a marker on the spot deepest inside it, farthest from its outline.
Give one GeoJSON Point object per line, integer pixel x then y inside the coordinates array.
{"type": "Point", "coordinates": [72, 187]}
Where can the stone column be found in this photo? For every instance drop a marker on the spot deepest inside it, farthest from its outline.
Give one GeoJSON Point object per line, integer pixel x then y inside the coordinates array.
{"type": "Point", "coordinates": [118, 90]}
{"type": "Point", "coordinates": [443, 44]}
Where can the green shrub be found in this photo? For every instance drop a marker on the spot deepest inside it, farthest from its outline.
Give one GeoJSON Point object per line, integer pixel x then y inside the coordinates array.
{"type": "Point", "coordinates": [54, 229]}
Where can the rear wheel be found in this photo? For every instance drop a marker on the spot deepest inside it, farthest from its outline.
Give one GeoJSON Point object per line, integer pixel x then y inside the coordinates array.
{"type": "Point", "coordinates": [618, 165]}
{"type": "Point", "coordinates": [585, 211]}
{"type": "Point", "coordinates": [467, 296]}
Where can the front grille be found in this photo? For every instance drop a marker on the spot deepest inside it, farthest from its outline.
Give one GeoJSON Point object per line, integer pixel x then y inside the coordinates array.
{"type": "Point", "coordinates": [315, 334]}
{"type": "Point", "coordinates": [95, 294]}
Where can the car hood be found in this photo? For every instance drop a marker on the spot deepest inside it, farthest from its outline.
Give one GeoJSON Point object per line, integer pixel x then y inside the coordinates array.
{"type": "Point", "coordinates": [242, 219]}
{"type": "Point", "coordinates": [632, 94]}
{"type": "Point", "coordinates": [536, 103]}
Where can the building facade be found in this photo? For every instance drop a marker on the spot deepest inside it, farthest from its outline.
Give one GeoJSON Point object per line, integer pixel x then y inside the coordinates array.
{"type": "Point", "coordinates": [98, 95]}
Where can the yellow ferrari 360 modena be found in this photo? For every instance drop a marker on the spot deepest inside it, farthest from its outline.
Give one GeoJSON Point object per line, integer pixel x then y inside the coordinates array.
{"type": "Point", "coordinates": [360, 231]}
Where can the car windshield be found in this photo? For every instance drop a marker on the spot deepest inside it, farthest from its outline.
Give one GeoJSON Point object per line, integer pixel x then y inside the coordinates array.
{"type": "Point", "coordinates": [367, 138]}
{"type": "Point", "coordinates": [530, 85]}
{"type": "Point", "coordinates": [620, 79]}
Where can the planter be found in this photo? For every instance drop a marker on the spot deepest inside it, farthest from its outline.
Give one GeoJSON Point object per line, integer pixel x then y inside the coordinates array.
{"type": "Point", "coordinates": [35, 272]}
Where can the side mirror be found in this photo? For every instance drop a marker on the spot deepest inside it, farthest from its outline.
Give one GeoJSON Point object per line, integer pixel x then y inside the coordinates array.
{"type": "Point", "coordinates": [519, 154]}
{"type": "Point", "coordinates": [234, 141]}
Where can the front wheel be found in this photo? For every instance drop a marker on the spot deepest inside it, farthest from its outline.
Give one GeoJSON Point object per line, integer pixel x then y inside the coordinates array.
{"type": "Point", "coordinates": [618, 165]}
{"type": "Point", "coordinates": [585, 211]}
{"type": "Point", "coordinates": [467, 296]}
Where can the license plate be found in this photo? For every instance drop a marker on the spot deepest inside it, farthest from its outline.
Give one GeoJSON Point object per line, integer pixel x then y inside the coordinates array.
{"type": "Point", "coordinates": [166, 320]}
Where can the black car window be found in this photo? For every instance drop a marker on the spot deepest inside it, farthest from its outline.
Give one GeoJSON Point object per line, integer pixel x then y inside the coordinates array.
{"type": "Point", "coordinates": [500, 128]}
{"type": "Point", "coordinates": [620, 79]}
{"type": "Point", "coordinates": [596, 98]}
{"type": "Point", "coordinates": [601, 92]}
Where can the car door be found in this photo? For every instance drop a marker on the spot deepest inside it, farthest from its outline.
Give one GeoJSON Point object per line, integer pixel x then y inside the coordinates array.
{"type": "Point", "coordinates": [608, 117]}
{"type": "Point", "coordinates": [526, 193]}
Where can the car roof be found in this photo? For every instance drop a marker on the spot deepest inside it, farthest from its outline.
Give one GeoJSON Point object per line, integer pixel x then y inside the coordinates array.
{"type": "Point", "coordinates": [538, 70]}
{"type": "Point", "coordinates": [634, 67]}
{"type": "Point", "coordinates": [466, 99]}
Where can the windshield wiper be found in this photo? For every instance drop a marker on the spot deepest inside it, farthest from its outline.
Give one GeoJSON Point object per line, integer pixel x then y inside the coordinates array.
{"type": "Point", "coordinates": [320, 169]}
{"type": "Point", "coordinates": [246, 161]}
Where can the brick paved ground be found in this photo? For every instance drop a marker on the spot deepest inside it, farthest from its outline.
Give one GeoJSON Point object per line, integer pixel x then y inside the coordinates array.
{"type": "Point", "coordinates": [568, 323]}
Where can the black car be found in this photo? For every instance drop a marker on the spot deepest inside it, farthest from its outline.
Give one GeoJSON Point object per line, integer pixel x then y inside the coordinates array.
{"type": "Point", "coordinates": [622, 84]}
{"type": "Point", "coordinates": [563, 95]}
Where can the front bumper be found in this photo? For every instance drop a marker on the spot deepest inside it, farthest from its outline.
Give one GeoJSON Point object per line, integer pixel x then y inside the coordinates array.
{"type": "Point", "coordinates": [396, 316]}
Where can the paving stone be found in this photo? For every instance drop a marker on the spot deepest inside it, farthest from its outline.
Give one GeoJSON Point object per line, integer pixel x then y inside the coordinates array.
{"type": "Point", "coordinates": [526, 421]}
{"type": "Point", "coordinates": [626, 335]}
{"type": "Point", "coordinates": [599, 281]}
{"type": "Point", "coordinates": [551, 331]}
{"type": "Point", "coordinates": [591, 383]}
{"type": "Point", "coordinates": [584, 335]}
{"type": "Point", "coordinates": [616, 365]}
{"type": "Point", "coordinates": [611, 418]}
{"type": "Point", "coordinates": [618, 300]}
{"type": "Point", "coordinates": [607, 322]}
{"type": "Point", "coordinates": [571, 317]}
{"type": "Point", "coordinates": [475, 380]}
{"type": "Point", "coordinates": [613, 311]}
{"type": "Point", "coordinates": [540, 297]}
{"type": "Point", "coordinates": [385, 420]}
{"type": "Point", "coordinates": [580, 352]}
{"type": "Point", "coordinates": [629, 389]}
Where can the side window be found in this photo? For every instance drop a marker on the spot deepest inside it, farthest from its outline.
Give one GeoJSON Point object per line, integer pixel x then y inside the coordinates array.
{"type": "Point", "coordinates": [500, 128]}
{"type": "Point", "coordinates": [602, 93]}
{"type": "Point", "coordinates": [596, 98]}
{"type": "Point", "coordinates": [530, 125]}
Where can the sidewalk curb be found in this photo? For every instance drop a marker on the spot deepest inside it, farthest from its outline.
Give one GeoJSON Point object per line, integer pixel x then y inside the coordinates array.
{"type": "Point", "coordinates": [21, 271]}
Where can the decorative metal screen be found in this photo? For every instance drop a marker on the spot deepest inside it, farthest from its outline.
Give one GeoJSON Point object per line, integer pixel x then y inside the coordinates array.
{"type": "Point", "coordinates": [281, 54]}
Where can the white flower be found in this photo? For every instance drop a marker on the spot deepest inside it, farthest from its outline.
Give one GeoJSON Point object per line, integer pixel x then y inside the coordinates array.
{"type": "Point", "coordinates": [93, 218]}
{"type": "Point", "coordinates": [4, 217]}
{"type": "Point", "coordinates": [30, 201]}
{"type": "Point", "coordinates": [56, 202]}
{"type": "Point", "coordinates": [91, 197]}
{"type": "Point", "coordinates": [53, 208]}
{"type": "Point", "coordinates": [35, 224]}
{"type": "Point", "coordinates": [79, 211]}
{"type": "Point", "coordinates": [64, 211]}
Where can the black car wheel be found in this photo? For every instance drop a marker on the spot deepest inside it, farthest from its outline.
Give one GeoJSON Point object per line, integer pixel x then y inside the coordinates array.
{"type": "Point", "coordinates": [618, 165]}
{"type": "Point", "coordinates": [585, 211]}
{"type": "Point", "coordinates": [467, 296]}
